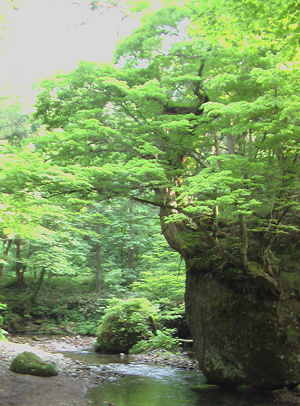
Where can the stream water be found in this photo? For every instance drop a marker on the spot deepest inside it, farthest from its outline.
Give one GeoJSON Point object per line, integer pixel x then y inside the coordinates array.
{"type": "Point", "coordinates": [141, 384]}
{"type": "Point", "coordinates": [155, 385]}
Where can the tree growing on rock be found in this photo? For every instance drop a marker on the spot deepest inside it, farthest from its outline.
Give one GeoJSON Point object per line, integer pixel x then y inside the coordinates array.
{"type": "Point", "coordinates": [206, 128]}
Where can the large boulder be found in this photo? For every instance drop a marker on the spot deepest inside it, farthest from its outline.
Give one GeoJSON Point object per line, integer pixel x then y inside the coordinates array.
{"type": "Point", "coordinates": [31, 364]}
{"type": "Point", "coordinates": [243, 338]}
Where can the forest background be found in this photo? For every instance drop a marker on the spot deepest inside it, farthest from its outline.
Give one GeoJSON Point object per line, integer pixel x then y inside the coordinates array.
{"type": "Point", "coordinates": [64, 261]}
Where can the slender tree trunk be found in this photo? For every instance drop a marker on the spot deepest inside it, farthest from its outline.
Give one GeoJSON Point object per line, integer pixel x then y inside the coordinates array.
{"type": "Point", "coordinates": [98, 261]}
{"type": "Point", "coordinates": [130, 258]}
{"type": "Point", "coordinates": [121, 256]}
{"type": "Point", "coordinates": [20, 269]}
{"type": "Point", "coordinates": [244, 240]}
{"type": "Point", "coordinates": [215, 222]}
{"type": "Point", "coordinates": [39, 285]}
{"type": "Point", "coordinates": [130, 250]}
{"type": "Point", "coordinates": [217, 148]}
{"type": "Point", "coordinates": [9, 243]}
{"type": "Point", "coordinates": [230, 144]}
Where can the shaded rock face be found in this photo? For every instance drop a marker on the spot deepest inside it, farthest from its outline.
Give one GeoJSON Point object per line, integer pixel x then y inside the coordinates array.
{"type": "Point", "coordinates": [240, 339]}
{"type": "Point", "coordinates": [31, 364]}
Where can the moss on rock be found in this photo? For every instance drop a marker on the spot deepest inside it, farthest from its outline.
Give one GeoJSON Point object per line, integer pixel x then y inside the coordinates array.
{"type": "Point", "coordinates": [31, 364]}
{"type": "Point", "coordinates": [125, 323]}
{"type": "Point", "coordinates": [243, 338]}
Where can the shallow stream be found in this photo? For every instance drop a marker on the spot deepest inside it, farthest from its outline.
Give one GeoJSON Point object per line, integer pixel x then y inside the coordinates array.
{"type": "Point", "coordinates": [156, 385]}
{"type": "Point", "coordinates": [135, 383]}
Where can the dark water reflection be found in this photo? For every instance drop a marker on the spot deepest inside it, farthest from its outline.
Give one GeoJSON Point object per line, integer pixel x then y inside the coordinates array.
{"type": "Point", "coordinates": [147, 385]}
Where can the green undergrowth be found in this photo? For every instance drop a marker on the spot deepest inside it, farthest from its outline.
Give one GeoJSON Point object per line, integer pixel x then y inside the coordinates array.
{"type": "Point", "coordinates": [2, 308]}
{"type": "Point", "coordinates": [160, 339]}
{"type": "Point", "coordinates": [69, 305]}
{"type": "Point", "coordinates": [66, 306]}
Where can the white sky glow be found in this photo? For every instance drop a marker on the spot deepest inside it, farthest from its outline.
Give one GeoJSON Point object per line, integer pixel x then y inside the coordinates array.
{"type": "Point", "coordinates": [52, 35]}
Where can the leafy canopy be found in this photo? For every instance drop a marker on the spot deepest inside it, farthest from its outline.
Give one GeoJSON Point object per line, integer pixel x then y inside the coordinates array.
{"type": "Point", "coordinates": [199, 116]}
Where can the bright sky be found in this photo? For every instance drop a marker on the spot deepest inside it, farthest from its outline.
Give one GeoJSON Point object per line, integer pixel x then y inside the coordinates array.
{"type": "Point", "coordinates": [51, 35]}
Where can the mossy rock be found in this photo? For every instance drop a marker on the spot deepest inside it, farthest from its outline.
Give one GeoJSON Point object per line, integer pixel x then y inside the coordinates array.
{"type": "Point", "coordinates": [242, 335]}
{"type": "Point", "coordinates": [31, 364]}
{"type": "Point", "coordinates": [124, 324]}
{"type": "Point", "coordinates": [205, 388]}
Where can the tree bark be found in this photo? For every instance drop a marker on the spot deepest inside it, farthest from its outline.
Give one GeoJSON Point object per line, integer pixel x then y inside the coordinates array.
{"type": "Point", "coordinates": [5, 253]}
{"type": "Point", "coordinates": [39, 285]}
{"type": "Point", "coordinates": [230, 144]}
{"type": "Point", "coordinates": [244, 241]}
{"type": "Point", "coordinates": [98, 261]}
{"type": "Point", "coordinates": [20, 269]}
{"type": "Point", "coordinates": [130, 250]}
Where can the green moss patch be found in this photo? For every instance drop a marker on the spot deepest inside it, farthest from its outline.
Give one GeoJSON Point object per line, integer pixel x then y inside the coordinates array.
{"type": "Point", "coordinates": [31, 364]}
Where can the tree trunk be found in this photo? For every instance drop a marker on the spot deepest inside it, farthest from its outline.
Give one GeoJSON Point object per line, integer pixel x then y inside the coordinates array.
{"type": "Point", "coordinates": [9, 243]}
{"type": "Point", "coordinates": [230, 144]}
{"type": "Point", "coordinates": [39, 285]}
{"type": "Point", "coordinates": [98, 281]}
{"type": "Point", "coordinates": [98, 262]}
{"type": "Point", "coordinates": [20, 269]}
{"type": "Point", "coordinates": [130, 258]}
{"type": "Point", "coordinates": [130, 250]}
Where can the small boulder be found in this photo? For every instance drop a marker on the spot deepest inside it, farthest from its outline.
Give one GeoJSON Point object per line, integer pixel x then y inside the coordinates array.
{"type": "Point", "coordinates": [31, 364]}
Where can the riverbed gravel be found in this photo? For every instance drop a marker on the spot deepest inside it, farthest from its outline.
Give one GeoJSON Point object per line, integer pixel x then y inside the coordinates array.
{"type": "Point", "coordinates": [50, 351]}
{"type": "Point", "coordinates": [163, 357]}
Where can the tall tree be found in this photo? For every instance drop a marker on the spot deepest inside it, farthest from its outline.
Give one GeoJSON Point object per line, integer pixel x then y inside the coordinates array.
{"type": "Point", "coordinates": [205, 128]}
